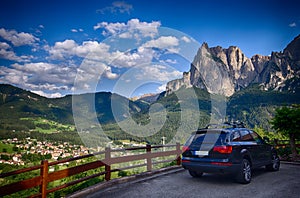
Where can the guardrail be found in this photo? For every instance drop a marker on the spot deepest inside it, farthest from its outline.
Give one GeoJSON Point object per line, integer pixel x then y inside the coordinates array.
{"type": "Point", "coordinates": [45, 176]}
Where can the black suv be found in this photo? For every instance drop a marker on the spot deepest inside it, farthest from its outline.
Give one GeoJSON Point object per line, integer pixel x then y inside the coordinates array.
{"type": "Point", "coordinates": [229, 148]}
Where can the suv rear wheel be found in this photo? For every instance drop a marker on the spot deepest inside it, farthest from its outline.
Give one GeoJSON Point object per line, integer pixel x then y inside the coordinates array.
{"type": "Point", "coordinates": [195, 173]}
{"type": "Point", "coordinates": [244, 174]}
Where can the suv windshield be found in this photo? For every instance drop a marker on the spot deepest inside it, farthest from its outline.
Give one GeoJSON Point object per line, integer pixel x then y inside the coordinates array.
{"type": "Point", "coordinates": [206, 139]}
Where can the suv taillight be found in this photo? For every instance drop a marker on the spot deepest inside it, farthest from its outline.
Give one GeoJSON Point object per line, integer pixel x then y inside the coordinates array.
{"type": "Point", "coordinates": [223, 149]}
{"type": "Point", "coordinates": [185, 148]}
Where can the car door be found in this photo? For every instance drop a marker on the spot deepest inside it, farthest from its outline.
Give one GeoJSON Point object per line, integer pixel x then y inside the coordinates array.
{"type": "Point", "coordinates": [251, 145]}
{"type": "Point", "coordinates": [264, 152]}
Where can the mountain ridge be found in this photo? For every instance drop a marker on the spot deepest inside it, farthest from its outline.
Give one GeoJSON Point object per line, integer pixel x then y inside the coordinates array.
{"type": "Point", "coordinates": [225, 71]}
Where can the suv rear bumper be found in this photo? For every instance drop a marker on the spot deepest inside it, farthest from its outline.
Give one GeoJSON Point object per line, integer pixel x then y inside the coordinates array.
{"type": "Point", "coordinates": [211, 167]}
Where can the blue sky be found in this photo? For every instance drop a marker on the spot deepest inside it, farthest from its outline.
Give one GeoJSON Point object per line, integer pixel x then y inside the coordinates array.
{"type": "Point", "coordinates": [55, 48]}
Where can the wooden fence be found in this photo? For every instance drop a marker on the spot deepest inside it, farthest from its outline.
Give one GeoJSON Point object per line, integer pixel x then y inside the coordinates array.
{"type": "Point", "coordinates": [46, 176]}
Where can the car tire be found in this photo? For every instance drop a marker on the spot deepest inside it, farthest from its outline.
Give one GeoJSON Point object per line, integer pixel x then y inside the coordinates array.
{"type": "Point", "coordinates": [245, 174]}
{"type": "Point", "coordinates": [274, 166]}
{"type": "Point", "coordinates": [195, 173]}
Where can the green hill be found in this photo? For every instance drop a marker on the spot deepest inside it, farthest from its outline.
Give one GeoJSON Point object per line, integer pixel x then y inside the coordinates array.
{"type": "Point", "coordinates": [23, 113]}
{"type": "Point", "coordinates": [256, 107]}
{"type": "Point", "coordinates": [26, 113]}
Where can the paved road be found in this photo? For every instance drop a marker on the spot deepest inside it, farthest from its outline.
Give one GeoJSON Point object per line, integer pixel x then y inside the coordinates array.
{"type": "Point", "coordinates": [284, 183]}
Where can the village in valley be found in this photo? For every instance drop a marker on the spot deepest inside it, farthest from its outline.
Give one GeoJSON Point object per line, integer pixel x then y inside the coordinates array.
{"type": "Point", "coordinates": [14, 149]}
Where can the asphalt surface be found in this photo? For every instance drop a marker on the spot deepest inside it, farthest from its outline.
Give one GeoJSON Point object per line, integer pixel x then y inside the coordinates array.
{"type": "Point", "coordinates": [284, 183]}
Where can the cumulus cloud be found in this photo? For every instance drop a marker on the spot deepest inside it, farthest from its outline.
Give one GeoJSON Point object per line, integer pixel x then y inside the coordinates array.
{"type": "Point", "coordinates": [131, 59]}
{"type": "Point", "coordinates": [293, 24]}
{"type": "Point", "coordinates": [68, 48]}
{"type": "Point", "coordinates": [48, 95]}
{"type": "Point", "coordinates": [134, 28]}
{"type": "Point", "coordinates": [39, 76]}
{"type": "Point", "coordinates": [100, 53]}
{"type": "Point", "coordinates": [161, 88]}
{"type": "Point", "coordinates": [89, 61]}
{"type": "Point", "coordinates": [18, 39]}
{"type": "Point", "coordinates": [158, 73]}
{"type": "Point", "coordinates": [164, 42]}
{"type": "Point", "coordinates": [117, 7]}
{"type": "Point", "coordinates": [186, 39]}
{"type": "Point", "coordinates": [170, 61]}
{"type": "Point", "coordinates": [6, 52]}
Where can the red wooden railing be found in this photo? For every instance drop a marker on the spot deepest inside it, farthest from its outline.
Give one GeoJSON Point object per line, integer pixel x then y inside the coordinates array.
{"type": "Point", "coordinates": [45, 176]}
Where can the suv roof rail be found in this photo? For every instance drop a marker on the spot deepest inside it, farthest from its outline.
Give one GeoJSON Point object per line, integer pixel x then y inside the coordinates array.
{"type": "Point", "coordinates": [235, 124]}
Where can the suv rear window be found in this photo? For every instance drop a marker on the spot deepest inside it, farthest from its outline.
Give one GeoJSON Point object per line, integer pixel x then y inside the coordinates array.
{"type": "Point", "coordinates": [211, 138]}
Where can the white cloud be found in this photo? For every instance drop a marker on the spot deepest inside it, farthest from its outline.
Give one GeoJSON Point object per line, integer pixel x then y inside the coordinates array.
{"type": "Point", "coordinates": [170, 61]}
{"type": "Point", "coordinates": [134, 28]}
{"type": "Point", "coordinates": [48, 95]}
{"type": "Point", "coordinates": [117, 7]}
{"type": "Point", "coordinates": [164, 42]}
{"type": "Point", "coordinates": [69, 48]}
{"type": "Point", "coordinates": [131, 59]}
{"type": "Point", "coordinates": [18, 39]}
{"type": "Point", "coordinates": [6, 52]}
{"type": "Point", "coordinates": [12, 76]}
{"type": "Point", "coordinates": [100, 53]}
{"type": "Point", "coordinates": [108, 73]}
{"type": "Point", "coordinates": [111, 28]}
{"type": "Point", "coordinates": [161, 88]}
{"type": "Point", "coordinates": [4, 45]}
{"type": "Point", "coordinates": [35, 67]}
{"type": "Point", "coordinates": [89, 74]}
{"type": "Point", "coordinates": [293, 24]}
{"type": "Point", "coordinates": [185, 39]}
{"type": "Point", "coordinates": [158, 73]}
{"type": "Point", "coordinates": [77, 30]}
{"type": "Point", "coordinates": [39, 76]}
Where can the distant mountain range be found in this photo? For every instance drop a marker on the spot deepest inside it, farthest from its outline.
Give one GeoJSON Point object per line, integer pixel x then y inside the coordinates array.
{"type": "Point", "coordinates": [226, 71]}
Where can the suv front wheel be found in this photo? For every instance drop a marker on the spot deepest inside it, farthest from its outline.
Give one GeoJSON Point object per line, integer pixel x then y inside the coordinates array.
{"type": "Point", "coordinates": [244, 174]}
{"type": "Point", "coordinates": [275, 163]}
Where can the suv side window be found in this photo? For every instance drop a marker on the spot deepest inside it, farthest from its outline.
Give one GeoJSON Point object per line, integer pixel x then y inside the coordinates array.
{"type": "Point", "coordinates": [246, 135]}
{"type": "Point", "coordinates": [256, 137]}
{"type": "Point", "coordinates": [235, 136]}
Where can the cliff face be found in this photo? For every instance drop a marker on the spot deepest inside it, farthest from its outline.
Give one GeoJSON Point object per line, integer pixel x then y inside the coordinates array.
{"type": "Point", "coordinates": [225, 71]}
{"type": "Point", "coordinates": [176, 84]}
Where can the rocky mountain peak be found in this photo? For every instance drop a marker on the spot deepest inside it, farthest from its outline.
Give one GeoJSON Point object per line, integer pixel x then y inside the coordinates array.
{"type": "Point", "coordinates": [293, 49]}
{"type": "Point", "coordinates": [225, 71]}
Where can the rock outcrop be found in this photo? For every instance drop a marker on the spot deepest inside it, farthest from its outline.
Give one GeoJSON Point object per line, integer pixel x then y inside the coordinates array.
{"type": "Point", "coordinates": [225, 71]}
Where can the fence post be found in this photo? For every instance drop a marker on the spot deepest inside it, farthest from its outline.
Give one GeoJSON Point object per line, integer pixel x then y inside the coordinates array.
{"type": "Point", "coordinates": [107, 164]}
{"type": "Point", "coordinates": [149, 159]}
{"type": "Point", "coordinates": [178, 153]}
{"type": "Point", "coordinates": [44, 177]}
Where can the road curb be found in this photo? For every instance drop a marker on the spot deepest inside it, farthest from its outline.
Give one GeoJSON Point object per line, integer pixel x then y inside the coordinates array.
{"type": "Point", "coordinates": [126, 180]}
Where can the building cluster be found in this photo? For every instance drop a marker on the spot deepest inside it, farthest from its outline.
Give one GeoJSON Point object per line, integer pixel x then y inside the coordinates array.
{"type": "Point", "coordinates": [32, 146]}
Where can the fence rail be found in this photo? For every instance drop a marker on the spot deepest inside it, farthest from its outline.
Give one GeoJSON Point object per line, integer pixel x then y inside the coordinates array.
{"type": "Point", "coordinates": [45, 176]}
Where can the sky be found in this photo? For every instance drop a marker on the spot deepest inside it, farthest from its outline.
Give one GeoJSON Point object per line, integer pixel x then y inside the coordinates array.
{"type": "Point", "coordinates": [132, 47]}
